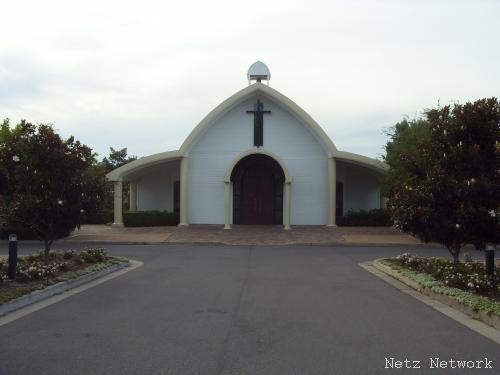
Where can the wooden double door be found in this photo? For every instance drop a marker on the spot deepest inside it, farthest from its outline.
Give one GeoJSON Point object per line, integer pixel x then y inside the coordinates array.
{"type": "Point", "coordinates": [258, 191]}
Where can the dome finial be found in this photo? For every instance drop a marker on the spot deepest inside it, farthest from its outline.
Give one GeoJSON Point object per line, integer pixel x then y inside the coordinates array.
{"type": "Point", "coordinates": [257, 72]}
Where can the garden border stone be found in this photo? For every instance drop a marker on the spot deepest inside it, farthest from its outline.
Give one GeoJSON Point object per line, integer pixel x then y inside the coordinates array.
{"type": "Point", "coordinates": [60, 287]}
{"type": "Point", "coordinates": [490, 320]}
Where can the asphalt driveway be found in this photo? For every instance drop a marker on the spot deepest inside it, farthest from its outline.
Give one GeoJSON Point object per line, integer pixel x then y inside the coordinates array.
{"type": "Point", "coordinates": [240, 310]}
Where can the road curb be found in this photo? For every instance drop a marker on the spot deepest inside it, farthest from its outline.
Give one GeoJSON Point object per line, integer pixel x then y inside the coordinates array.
{"type": "Point", "coordinates": [492, 321]}
{"type": "Point", "coordinates": [71, 241]}
{"type": "Point", "coordinates": [216, 243]}
{"type": "Point", "coordinates": [452, 309]}
{"type": "Point", "coordinates": [39, 295]}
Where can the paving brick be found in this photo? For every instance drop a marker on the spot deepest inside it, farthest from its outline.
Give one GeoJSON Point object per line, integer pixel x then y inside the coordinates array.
{"type": "Point", "coordinates": [243, 235]}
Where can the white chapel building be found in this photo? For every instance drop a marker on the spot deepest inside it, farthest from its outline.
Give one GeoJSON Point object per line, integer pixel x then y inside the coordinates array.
{"type": "Point", "coordinates": [257, 158]}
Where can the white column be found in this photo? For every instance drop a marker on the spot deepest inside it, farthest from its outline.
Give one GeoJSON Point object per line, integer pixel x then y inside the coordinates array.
{"type": "Point", "coordinates": [227, 204]}
{"type": "Point", "coordinates": [118, 217]}
{"type": "Point", "coordinates": [332, 192]}
{"type": "Point", "coordinates": [183, 219]}
{"type": "Point", "coordinates": [132, 196]}
{"type": "Point", "coordinates": [287, 205]}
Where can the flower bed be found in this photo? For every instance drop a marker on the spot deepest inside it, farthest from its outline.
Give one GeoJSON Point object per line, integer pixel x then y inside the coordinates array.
{"type": "Point", "coordinates": [465, 282]}
{"type": "Point", "coordinates": [468, 275]}
{"type": "Point", "coordinates": [34, 272]}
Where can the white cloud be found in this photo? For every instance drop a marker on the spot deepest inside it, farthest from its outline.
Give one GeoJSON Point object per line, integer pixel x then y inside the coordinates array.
{"type": "Point", "coordinates": [143, 74]}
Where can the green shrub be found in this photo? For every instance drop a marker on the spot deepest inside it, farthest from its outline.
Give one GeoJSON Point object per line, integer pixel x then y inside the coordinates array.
{"type": "Point", "coordinates": [463, 275]}
{"type": "Point", "coordinates": [377, 217]}
{"type": "Point", "coordinates": [150, 218]}
{"type": "Point", "coordinates": [52, 255]}
{"type": "Point", "coordinates": [97, 218]}
{"type": "Point", "coordinates": [24, 233]}
{"type": "Point", "coordinates": [31, 257]}
{"type": "Point", "coordinates": [92, 255]}
{"type": "Point", "coordinates": [3, 270]}
{"type": "Point", "coordinates": [68, 254]}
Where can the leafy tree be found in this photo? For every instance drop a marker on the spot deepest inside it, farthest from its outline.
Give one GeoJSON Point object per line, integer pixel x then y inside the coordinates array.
{"type": "Point", "coordinates": [44, 179]}
{"type": "Point", "coordinates": [4, 133]}
{"type": "Point", "coordinates": [405, 138]}
{"type": "Point", "coordinates": [96, 195]}
{"type": "Point", "coordinates": [116, 159]}
{"type": "Point", "coordinates": [446, 188]}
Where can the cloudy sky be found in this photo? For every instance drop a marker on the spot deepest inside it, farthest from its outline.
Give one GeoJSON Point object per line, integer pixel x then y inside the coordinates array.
{"type": "Point", "coordinates": [142, 74]}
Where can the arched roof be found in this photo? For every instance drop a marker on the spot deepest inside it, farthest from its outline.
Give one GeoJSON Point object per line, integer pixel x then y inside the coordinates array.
{"type": "Point", "coordinates": [246, 93]}
{"type": "Point", "coordinates": [228, 104]}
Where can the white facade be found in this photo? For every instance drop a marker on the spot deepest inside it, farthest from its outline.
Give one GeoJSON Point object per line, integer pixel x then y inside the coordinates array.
{"type": "Point", "coordinates": [211, 156]}
{"type": "Point", "coordinates": [155, 187]}
{"type": "Point", "coordinates": [361, 187]}
{"type": "Point", "coordinates": [204, 163]}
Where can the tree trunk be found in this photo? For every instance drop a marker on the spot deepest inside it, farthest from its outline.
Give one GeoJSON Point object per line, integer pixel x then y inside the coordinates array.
{"type": "Point", "coordinates": [454, 250]}
{"type": "Point", "coordinates": [46, 248]}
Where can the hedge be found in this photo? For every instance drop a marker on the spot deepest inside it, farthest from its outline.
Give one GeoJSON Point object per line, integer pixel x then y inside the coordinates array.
{"type": "Point", "coordinates": [23, 233]}
{"type": "Point", "coordinates": [97, 218]}
{"type": "Point", "coordinates": [26, 234]}
{"type": "Point", "coordinates": [150, 218]}
{"type": "Point", "coordinates": [378, 217]}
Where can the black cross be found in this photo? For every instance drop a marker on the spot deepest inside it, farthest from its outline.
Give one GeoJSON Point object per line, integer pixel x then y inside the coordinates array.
{"type": "Point", "coordinates": [258, 123]}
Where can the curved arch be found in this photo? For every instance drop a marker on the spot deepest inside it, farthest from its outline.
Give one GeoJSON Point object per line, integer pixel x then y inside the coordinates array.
{"type": "Point", "coordinates": [257, 183]}
{"type": "Point", "coordinates": [258, 151]}
{"type": "Point", "coordinates": [269, 92]}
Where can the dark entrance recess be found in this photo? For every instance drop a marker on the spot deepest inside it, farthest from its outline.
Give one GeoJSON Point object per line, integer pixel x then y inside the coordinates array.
{"type": "Point", "coordinates": [340, 199]}
{"type": "Point", "coordinates": [177, 196]}
{"type": "Point", "coordinates": [257, 191]}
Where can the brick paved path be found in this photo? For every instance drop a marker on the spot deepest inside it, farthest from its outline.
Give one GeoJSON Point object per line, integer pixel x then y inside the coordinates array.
{"type": "Point", "coordinates": [243, 235]}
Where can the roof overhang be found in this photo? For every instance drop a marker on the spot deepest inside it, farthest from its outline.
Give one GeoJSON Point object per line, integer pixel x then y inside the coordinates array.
{"type": "Point", "coordinates": [121, 173]}
{"type": "Point", "coordinates": [363, 161]}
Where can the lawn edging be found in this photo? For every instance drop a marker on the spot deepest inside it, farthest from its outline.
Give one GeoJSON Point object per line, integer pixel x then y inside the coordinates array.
{"type": "Point", "coordinates": [436, 291]}
{"type": "Point", "coordinates": [62, 286]}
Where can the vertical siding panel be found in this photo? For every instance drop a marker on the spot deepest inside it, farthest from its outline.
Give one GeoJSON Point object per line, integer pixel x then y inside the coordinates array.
{"type": "Point", "coordinates": [232, 135]}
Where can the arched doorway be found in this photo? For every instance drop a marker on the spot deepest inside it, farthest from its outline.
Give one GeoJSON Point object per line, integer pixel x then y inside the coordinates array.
{"type": "Point", "coordinates": [257, 191]}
